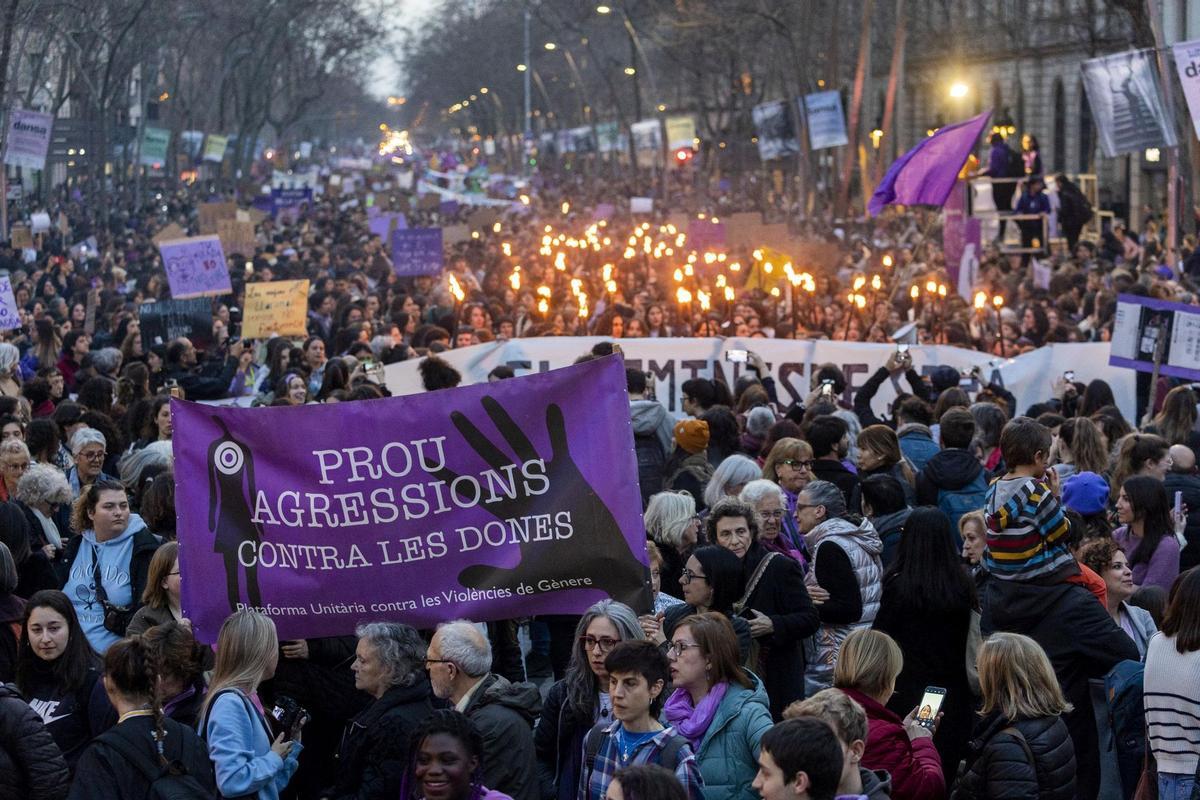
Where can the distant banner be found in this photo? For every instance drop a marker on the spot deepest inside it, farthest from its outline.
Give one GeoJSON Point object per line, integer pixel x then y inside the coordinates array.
{"type": "Point", "coordinates": [417, 251]}
{"type": "Point", "coordinates": [514, 499]}
{"type": "Point", "coordinates": [1187, 63]}
{"type": "Point", "coordinates": [195, 267]}
{"type": "Point", "coordinates": [647, 134]}
{"type": "Point", "coordinates": [28, 139]}
{"type": "Point", "coordinates": [1142, 322]}
{"type": "Point", "coordinates": [290, 201]}
{"type": "Point", "coordinates": [10, 315]}
{"type": "Point", "coordinates": [214, 147]}
{"type": "Point", "coordinates": [704, 234]}
{"type": "Point", "coordinates": [166, 320]}
{"type": "Point", "coordinates": [1126, 101]}
{"type": "Point", "coordinates": [776, 134]}
{"type": "Point", "coordinates": [681, 132]}
{"type": "Point", "coordinates": [275, 308]}
{"type": "Point", "coordinates": [584, 139]}
{"type": "Point", "coordinates": [155, 142]}
{"type": "Point", "coordinates": [672, 361]}
{"type": "Point", "coordinates": [462, 198]}
{"type": "Point", "coordinates": [608, 137]}
{"type": "Point", "coordinates": [825, 120]}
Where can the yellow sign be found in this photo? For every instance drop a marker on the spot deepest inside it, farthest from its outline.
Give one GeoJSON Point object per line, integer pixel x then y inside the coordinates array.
{"type": "Point", "coordinates": [22, 237]}
{"type": "Point", "coordinates": [681, 132]}
{"type": "Point", "coordinates": [278, 307]}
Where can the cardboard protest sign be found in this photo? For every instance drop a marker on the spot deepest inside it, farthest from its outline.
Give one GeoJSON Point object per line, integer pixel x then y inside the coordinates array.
{"type": "Point", "coordinates": [166, 320]}
{"type": "Point", "coordinates": [453, 234]}
{"type": "Point", "coordinates": [10, 315]}
{"type": "Point", "coordinates": [237, 236]}
{"type": "Point", "coordinates": [417, 251]}
{"type": "Point", "coordinates": [353, 521]}
{"type": "Point", "coordinates": [195, 267]}
{"type": "Point", "coordinates": [641, 205]}
{"type": "Point", "coordinates": [21, 236]}
{"type": "Point", "coordinates": [171, 231]}
{"type": "Point", "coordinates": [483, 218]}
{"type": "Point", "coordinates": [29, 134]}
{"type": "Point", "coordinates": [40, 222]}
{"type": "Point", "coordinates": [275, 308]}
{"type": "Point", "coordinates": [211, 212]}
{"type": "Point", "coordinates": [429, 202]}
{"type": "Point", "coordinates": [64, 224]}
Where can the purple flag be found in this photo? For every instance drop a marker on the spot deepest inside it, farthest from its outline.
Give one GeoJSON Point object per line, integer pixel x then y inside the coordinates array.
{"type": "Point", "coordinates": [490, 501]}
{"type": "Point", "coordinates": [926, 174]}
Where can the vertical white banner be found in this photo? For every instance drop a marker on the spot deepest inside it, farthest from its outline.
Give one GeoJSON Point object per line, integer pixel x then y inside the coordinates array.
{"type": "Point", "coordinates": [1187, 63]}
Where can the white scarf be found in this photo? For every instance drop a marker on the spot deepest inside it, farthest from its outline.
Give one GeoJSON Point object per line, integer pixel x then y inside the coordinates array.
{"type": "Point", "coordinates": [48, 528]}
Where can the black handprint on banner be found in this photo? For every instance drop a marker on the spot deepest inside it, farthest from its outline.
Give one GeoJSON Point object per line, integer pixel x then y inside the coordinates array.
{"type": "Point", "coordinates": [596, 549]}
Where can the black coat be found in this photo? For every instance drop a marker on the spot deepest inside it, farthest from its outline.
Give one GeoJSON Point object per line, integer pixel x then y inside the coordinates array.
{"type": "Point", "coordinates": [558, 745]}
{"type": "Point", "coordinates": [105, 773]}
{"type": "Point", "coordinates": [374, 751]}
{"type": "Point", "coordinates": [31, 765]}
{"type": "Point", "coordinates": [1189, 487]}
{"type": "Point", "coordinates": [1000, 769]}
{"type": "Point", "coordinates": [1082, 642]}
{"type": "Point", "coordinates": [504, 713]}
{"type": "Point", "coordinates": [781, 595]}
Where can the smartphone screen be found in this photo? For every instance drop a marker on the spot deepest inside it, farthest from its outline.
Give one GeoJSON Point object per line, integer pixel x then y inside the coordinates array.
{"type": "Point", "coordinates": [931, 703]}
{"type": "Point", "coordinates": [738, 356]}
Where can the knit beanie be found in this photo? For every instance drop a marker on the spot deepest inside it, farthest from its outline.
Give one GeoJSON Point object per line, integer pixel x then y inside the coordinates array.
{"type": "Point", "coordinates": [692, 435]}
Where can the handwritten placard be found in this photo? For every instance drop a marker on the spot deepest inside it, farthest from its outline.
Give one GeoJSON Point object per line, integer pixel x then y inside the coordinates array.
{"type": "Point", "coordinates": [195, 267]}
{"type": "Point", "coordinates": [383, 223]}
{"type": "Point", "coordinates": [22, 237]}
{"type": "Point", "coordinates": [275, 308]}
{"type": "Point", "coordinates": [237, 236]}
{"type": "Point", "coordinates": [210, 213]}
{"type": "Point", "coordinates": [10, 317]}
{"type": "Point", "coordinates": [417, 251]}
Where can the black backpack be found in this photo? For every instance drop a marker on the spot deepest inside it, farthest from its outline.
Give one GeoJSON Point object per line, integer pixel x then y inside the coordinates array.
{"type": "Point", "coordinates": [651, 461]}
{"type": "Point", "coordinates": [169, 782]}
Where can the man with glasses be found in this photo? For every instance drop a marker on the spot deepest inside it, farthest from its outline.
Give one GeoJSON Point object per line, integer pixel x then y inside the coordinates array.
{"type": "Point", "coordinates": [88, 450]}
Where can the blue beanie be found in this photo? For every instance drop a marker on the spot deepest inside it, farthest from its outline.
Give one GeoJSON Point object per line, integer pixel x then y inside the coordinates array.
{"type": "Point", "coordinates": [1085, 493]}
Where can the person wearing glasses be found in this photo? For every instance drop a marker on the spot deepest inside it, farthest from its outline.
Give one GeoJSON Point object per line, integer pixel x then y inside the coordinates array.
{"type": "Point", "coordinates": [775, 603]}
{"type": "Point", "coordinates": [14, 460]}
{"type": "Point", "coordinates": [580, 700]}
{"type": "Point", "coordinates": [712, 580]}
{"type": "Point", "coordinates": [719, 707]}
{"type": "Point", "coordinates": [88, 448]}
{"type": "Point", "coordinates": [789, 464]}
{"type": "Point", "coordinates": [161, 595]}
{"type": "Point", "coordinates": [109, 560]}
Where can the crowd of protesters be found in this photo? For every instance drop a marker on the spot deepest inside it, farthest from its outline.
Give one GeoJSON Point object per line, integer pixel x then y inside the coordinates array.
{"type": "Point", "coordinates": [816, 567]}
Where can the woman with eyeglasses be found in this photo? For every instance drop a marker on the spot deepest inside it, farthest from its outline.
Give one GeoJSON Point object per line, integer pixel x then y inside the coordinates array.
{"type": "Point", "coordinates": [712, 580]}
{"type": "Point", "coordinates": [719, 707]}
{"type": "Point", "coordinates": [161, 595]}
{"type": "Point", "coordinates": [775, 603]}
{"type": "Point", "coordinates": [580, 700]}
{"type": "Point", "coordinates": [789, 464]}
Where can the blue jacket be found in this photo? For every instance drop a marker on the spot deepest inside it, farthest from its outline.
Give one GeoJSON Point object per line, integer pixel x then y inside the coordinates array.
{"type": "Point", "coordinates": [240, 748]}
{"type": "Point", "coordinates": [728, 753]}
{"type": "Point", "coordinates": [917, 445]}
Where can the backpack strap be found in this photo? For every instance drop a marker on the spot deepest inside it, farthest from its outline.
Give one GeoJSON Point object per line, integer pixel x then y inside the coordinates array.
{"type": "Point", "coordinates": [1015, 732]}
{"type": "Point", "coordinates": [245, 702]}
{"type": "Point", "coordinates": [592, 742]}
{"type": "Point", "coordinates": [740, 605]}
{"type": "Point", "coordinates": [150, 768]}
{"type": "Point", "coordinates": [669, 757]}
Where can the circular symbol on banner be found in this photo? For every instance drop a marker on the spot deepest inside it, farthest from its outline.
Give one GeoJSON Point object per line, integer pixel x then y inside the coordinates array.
{"type": "Point", "coordinates": [228, 458]}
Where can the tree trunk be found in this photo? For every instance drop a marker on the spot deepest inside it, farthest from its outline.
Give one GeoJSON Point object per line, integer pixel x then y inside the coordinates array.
{"type": "Point", "coordinates": [860, 75]}
{"type": "Point", "coordinates": [889, 104]}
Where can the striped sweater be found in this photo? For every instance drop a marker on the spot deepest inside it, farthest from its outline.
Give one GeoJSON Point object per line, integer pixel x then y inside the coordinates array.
{"type": "Point", "coordinates": [1027, 531]}
{"type": "Point", "coordinates": [1171, 695]}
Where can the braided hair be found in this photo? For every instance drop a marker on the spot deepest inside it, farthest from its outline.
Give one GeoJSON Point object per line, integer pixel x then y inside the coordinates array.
{"type": "Point", "coordinates": [131, 665]}
{"type": "Point", "coordinates": [452, 723]}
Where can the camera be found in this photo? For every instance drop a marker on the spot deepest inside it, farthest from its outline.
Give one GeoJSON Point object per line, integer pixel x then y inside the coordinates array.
{"type": "Point", "coordinates": [287, 716]}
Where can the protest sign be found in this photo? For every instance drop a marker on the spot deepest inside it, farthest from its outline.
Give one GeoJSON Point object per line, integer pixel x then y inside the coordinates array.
{"type": "Point", "coordinates": [155, 142]}
{"type": "Point", "coordinates": [608, 137]}
{"type": "Point", "coordinates": [825, 119]}
{"type": "Point", "coordinates": [641, 205]}
{"type": "Point", "coordinates": [10, 315]}
{"type": "Point", "coordinates": [171, 231]}
{"type": "Point", "coordinates": [211, 212]}
{"type": "Point", "coordinates": [276, 308]}
{"type": "Point", "coordinates": [237, 236]}
{"type": "Point", "coordinates": [1187, 63]}
{"type": "Point", "coordinates": [647, 134]}
{"type": "Point", "coordinates": [742, 228]}
{"type": "Point", "coordinates": [28, 140]}
{"type": "Point", "coordinates": [21, 237]}
{"type": "Point", "coordinates": [167, 320]}
{"type": "Point", "coordinates": [383, 223]}
{"type": "Point", "coordinates": [306, 149]}
{"type": "Point", "coordinates": [39, 222]}
{"type": "Point", "coordinates": [776, 133]}
{"type": "Point", "coordinates": [195, 267]}
{"type": "Point", "coordinates": [417, 251]}
{"type": "Point", "coordinates": [290, 200]}
{"type": "Point", "coordinates": [214, 147]}
{"type": "Point", "coordinates": [1141, 322]}
{"type": "Point", "coordinates": [482, 218]}
{"type": "Point", "coordinates": [681, 132]}
{"type": "Point", "coordinates": [64, 224]}
{"type": "Point", "coordinates": [1127, 107]}
{"type": "Point", "coordinates": [703, 234]}
{"type": "Point", "coordinates": [429, 202]}
{"type": "Point", "coordinates": [404, 181]}
{"type": "Point", "coordinates": [514, 499]}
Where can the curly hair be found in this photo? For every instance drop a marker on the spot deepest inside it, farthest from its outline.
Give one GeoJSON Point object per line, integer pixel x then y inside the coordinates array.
{"type": "Point", "coordinates": [400, 647]}
{"type": "Point", "coordinates": [451, 723]}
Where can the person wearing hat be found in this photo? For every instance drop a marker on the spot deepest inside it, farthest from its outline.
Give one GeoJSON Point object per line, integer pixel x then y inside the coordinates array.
{"type": "Point", "coordinates": [687, 469]}
{"type": "Point", "coordinates": [87, 451]}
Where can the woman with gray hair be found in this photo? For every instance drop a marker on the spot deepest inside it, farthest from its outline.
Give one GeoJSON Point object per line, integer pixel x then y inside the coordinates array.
{"type": "Point", "coordinates": [389, 664]}
{"type": "Point", "coordinates": [729, 478]}
{"type": "Point", "coordinates": [846, 581]}
{"type": "Point", "coordinates": [580, 700]}
{"type": "Point", "coordinates": [138, 467]}
{"type": "Point", "coordinates": [44, 496]}
{"type": "Point", "coordinates": [671, 521]}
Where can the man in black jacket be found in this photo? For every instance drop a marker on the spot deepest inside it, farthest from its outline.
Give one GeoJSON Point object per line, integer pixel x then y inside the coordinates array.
{"type": "Point", "coordinates": [897, 364]}
{"type": "Point", "coordinates": [955, 466]}
{"type": "Point", "coordinates": [1183, 479]}
{"type": "Point", "coordinates": [459, 661]}
{"type": "Point", "coordinates": [181, 368]}
{"type": "Point", "coordinates": [830, 440]}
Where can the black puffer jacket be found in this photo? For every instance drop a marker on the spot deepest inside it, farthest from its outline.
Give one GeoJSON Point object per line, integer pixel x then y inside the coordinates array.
{"type": "Point", "coordinates": [504, 713]}
{"type": "Point", "coordinates": [999, 763]}
{"type": "Point", "coordinates": [31, 764]}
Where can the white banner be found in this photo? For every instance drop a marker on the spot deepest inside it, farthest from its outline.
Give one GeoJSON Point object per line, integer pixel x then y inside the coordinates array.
{"type": "Point", "coordinates": [825, 120]}
{"type": "Point", "coordinates": [673, 361]}
{"type": "Point", "coordinates": [1126, 102]}
{"type": "Point", "coordinates": [1187, 62]}
{"type": "Point", "coordinates": [464, 198]}
{"type": "Point", "coordinates": [28, 138]}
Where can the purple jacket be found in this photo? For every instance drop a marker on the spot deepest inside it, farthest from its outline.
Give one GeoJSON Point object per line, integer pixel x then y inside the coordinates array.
{"type": "Point", "coordinates": [1163, 566]}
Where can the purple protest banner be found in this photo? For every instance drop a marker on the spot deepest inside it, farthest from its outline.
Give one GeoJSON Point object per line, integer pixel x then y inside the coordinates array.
{"type": "Point", "coordinates": [417, 251]}
{"type": "Point", "coordinates": [290, 200]}
{"type": "Point", "coordinates": [484, 502]}
{"type": "Point", "coordinates": [603, 211]}
{"type": "Point", "coordinates": [195, 267]}
{"type": "Point", "coordinates": [382, 223]}
{"type": "Point", "coordinates": [703, 234]}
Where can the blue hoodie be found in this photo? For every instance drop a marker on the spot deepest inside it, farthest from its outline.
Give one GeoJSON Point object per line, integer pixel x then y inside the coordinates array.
{"type": "Point", "coordinates": [115, 556]}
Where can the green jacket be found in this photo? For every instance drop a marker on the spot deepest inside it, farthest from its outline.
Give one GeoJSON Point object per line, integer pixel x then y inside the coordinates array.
{"type": "Point", "coordinates": [728, 754]}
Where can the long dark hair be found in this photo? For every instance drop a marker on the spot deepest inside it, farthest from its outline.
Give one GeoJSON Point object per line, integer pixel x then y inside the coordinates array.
{"type": "Point", "coordinates": [452, 723]}
{"type": "Point", "coordinates": [1148, 498]}
{"type": "Point", "coordinates": [1182, 618]}
{"type": "Point", "coordinates": [72, 666]}
{"type": "Point", "coordinates": [130, 665]}
{"type": "Point", "coordinates": [723, 571]}
{"type": "Point", "coordinates": [649, 782]}
{"type": "Point", "coordinates": [927, 574]}
{"type": "Point", "coordinates": [1096, 396]}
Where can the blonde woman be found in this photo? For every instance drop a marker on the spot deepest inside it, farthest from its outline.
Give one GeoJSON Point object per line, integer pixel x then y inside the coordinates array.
{"type": "Point", "coordinates": [246, 759]}
{"type": "Point", "coordinates": [1021, 747]}
{"type": "Point", "coordinates": [671, 521]}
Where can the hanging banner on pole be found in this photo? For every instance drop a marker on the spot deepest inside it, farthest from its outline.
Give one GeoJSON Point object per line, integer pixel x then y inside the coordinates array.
{"type": "Point", "coordinates": [214, 147]}
{"type": "Point", "coordinates": [647, 134]}
{"type": "Point", "coordinates": [28, 139]}
{"type": "Point", "coordinates": [826, 120]}
{"type": "Point", "coordinates": [1139, 324]}
{"type": "Point", "coordinates": [1126, 101]}
{"type": "Point", "coordinates": [776, 134]}
{"type": "Point", "coordinates": [1187, 63]}
{"type": "Point", "coordinates": [681, 132]}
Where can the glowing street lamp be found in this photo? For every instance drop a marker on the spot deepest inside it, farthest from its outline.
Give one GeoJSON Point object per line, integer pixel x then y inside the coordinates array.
{"type": "Point", "coordinates": [958, 90]}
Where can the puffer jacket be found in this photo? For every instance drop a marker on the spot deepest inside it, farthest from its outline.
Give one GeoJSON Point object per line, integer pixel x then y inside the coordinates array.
{"type": "Point", "coordinates": [1000, 768]}
{"type": "Point", "coordinates": [504, 713]}
{"type": "Point", "coordinates": [728, 753]}
{"type": "Point", "coordinates": [31, 764]}
{"type": "Point", "coordinates": [913, 764]}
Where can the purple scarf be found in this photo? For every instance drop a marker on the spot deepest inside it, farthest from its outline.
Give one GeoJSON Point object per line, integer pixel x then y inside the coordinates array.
{"type": "Point", "coordinates": [690, 721]}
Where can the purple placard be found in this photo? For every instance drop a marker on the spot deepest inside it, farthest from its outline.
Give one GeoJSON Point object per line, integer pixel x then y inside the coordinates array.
{"type": "Point", "coordinates": [417, 251]}
{"type": "Point", "coordinates": [381, 223]}
{"type": "Point", "coordinates": [195, 267]}
{"type": "Point", "coordinates": [603, 211]}
{"type": "Point", "coordinates": [502, 500]}
{"type": "Point", "coordinates": [703, 234]}
{"type": "Point", "coordinates": [286, 199]}
{"type": "Point", "coordinates": [448, 207]}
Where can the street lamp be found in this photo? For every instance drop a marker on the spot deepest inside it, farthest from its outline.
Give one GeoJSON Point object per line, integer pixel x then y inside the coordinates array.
{"type": "Point", "coordinates": [630, 71]}
{"type": "Point", "coordinates": [958, 90]}
{"type": "Point", "coordinates": [603, 10]}
{"type": "Point", "coordinates": [550, 45]}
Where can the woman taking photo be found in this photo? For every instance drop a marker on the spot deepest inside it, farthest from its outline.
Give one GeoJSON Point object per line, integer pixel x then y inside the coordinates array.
{"type": "Point", "coordinates": [125, 760]}
{"type": "Point", "coordinates": [867, 669]}
{"type": "Point", "coordinates": [1171, 689]}
{"type": "Point", "coordinates": [447, 754]}
{"type": "Point", "coordinates": [1105, 558]}
{"type": "Point", "coordinates": [672, 523]}
{"type": "Point", "coordinates": [720, 708]}
{"type": "Point", "coordinates": [926, 609]}
{"type": "Point", "coordinates": [245, 758]}
{"type": "Point", "coordinates": [775, 603]}
{"type": "Point", "coordinates": [1079, 448]}
{"type": "Point", "coordinates": [1147, 532]}
{"type": "Point", "coordinates": [1021, 747]}
{"type": "Point", "coordinates": [59, 675]}
{"type": "Point", "coordinates": [580, 700]}
{"type": "Point", "coordinates": [160, 598]}
{"type": "Point", "coordinates": [109, 561]}
{"type": "Point", "coordinates": [879, 454]}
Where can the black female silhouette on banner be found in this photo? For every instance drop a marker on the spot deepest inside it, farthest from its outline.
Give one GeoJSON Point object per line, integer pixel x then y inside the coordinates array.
{"type": "Point", "coordinates": [230, 493]}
